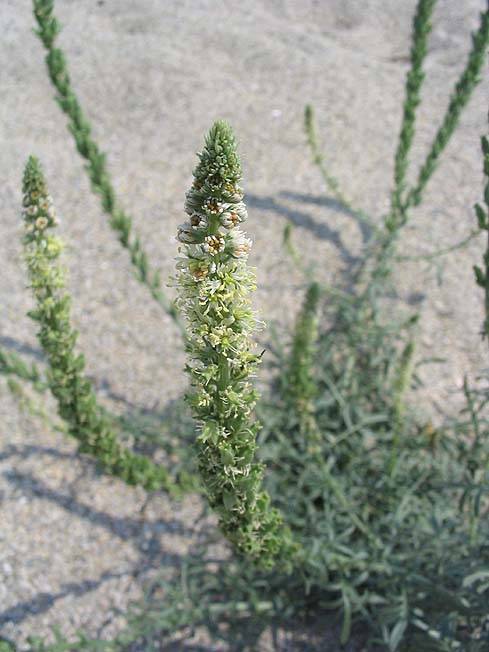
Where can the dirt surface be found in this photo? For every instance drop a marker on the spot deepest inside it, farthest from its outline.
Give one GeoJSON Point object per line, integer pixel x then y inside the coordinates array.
{"type": "Point", "coordinates": [153, 76]}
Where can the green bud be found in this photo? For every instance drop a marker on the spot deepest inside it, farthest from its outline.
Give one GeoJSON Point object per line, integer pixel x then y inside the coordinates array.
{"type": "Point", "coordinates": [481, 216]}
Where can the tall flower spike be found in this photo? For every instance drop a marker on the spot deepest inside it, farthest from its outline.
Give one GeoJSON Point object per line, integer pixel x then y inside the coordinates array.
{"type": "Point", "coordinates": [76, 399]}
{"type": "Point", "coordinates": [215, 284]}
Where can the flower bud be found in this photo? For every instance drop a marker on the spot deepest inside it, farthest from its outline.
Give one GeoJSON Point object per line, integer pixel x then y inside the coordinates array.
{"type": "Point", "coordinates": [186, 234]}
{"type": "Point", "coordinates": [240, 245]}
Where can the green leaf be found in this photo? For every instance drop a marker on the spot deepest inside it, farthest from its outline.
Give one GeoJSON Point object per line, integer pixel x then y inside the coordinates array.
{"type": "Point", "coordinates": [479, 575]}
{"type": "Point", "coordinates": [347, 613]}
{"type": "Point", "coordinates": [479, 276]}
{"type": "Point", "coordinates": [481, 216]}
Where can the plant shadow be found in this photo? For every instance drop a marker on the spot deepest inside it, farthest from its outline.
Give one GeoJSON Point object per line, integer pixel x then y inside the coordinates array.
{"type": "Point", "coordinates": [150, 431]}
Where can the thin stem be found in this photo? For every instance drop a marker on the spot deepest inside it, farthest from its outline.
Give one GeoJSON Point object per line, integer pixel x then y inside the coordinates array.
{"type": "Point", "coordinates": [440, 252]}
{"type": "Point", "coordinates": [482, 276]}
{"type": "Point", "coordinates": [300, 388]}
{"type": "Point", "coordinates": [330, 181]}
{"type": "Point", "coordinates": [473, 416]}
{"type": "Point", "coordinates": [297, 260]}
{"type": "Point", "coordinates": [401, 385]}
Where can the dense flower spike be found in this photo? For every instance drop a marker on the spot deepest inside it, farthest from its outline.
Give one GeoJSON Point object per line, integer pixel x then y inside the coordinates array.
{"type": "Point", "coordinates": [76, 400]}
{"type": "Point", "coordinates": [214, 294]}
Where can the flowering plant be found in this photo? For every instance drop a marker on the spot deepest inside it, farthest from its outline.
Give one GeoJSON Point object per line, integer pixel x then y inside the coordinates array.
{"type": "Point", "coordinates": [388, 513]}
{"type": "Point", "coordinates": [215, 284]}
{"type": "Point", "coordinates": [76, 399]}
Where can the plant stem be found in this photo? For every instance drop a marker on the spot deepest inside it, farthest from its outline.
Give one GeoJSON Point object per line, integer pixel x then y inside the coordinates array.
{"type": "Point", "coordinates": [300, 388]}
{"type": "Point", "coordinates": [330, 181]}
{"type": "Point", "coordinates": [401, 384]}
{"type": "Point", "coordinates": [440, 252]}
{"type": "Point", "coordinates": [482, 276]}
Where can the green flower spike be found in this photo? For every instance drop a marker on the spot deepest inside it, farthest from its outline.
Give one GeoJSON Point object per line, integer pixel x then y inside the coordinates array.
{"type": "Point", "coordinates": [299, 385]}
{"type": "Point", "coordinates": [76, 399]}
{"type": "Point", "coordinates": [482, 275]}
{"type": "Point", "coordinates": [215, 284]}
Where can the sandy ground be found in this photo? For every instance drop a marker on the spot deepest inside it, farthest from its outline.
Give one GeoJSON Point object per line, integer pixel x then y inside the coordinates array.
{"type": "Point", "coordinates": [153, 76]}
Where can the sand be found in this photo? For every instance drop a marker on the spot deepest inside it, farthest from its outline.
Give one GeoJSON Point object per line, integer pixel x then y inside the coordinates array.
{"type": "Point", "coordinates": [152, 77]}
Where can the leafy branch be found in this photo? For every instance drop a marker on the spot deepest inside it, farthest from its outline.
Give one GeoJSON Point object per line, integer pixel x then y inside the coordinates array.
{"type": "Point", "coordinates": [329, 180]}
{"type": "Point", "coordinates": [121, 222]}
{"type": "Point", "coordinates": [384, 248]}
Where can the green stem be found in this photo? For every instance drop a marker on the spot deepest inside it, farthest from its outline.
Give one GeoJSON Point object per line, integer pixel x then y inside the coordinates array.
{"type": "Point", "coordinates": [440, 252]}
{"type": "Point", "coordinates": [482, 276]}
{"type": "Point", "coordinates": [401, 384]}
{"type": "Point", "coordinates": [330, 181]}
{"type": "Point", "coordinates": [300, 387]}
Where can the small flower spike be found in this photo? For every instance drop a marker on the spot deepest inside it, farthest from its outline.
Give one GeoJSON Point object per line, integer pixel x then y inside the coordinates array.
{"type": "Point", "coordinates": [77, 404]}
